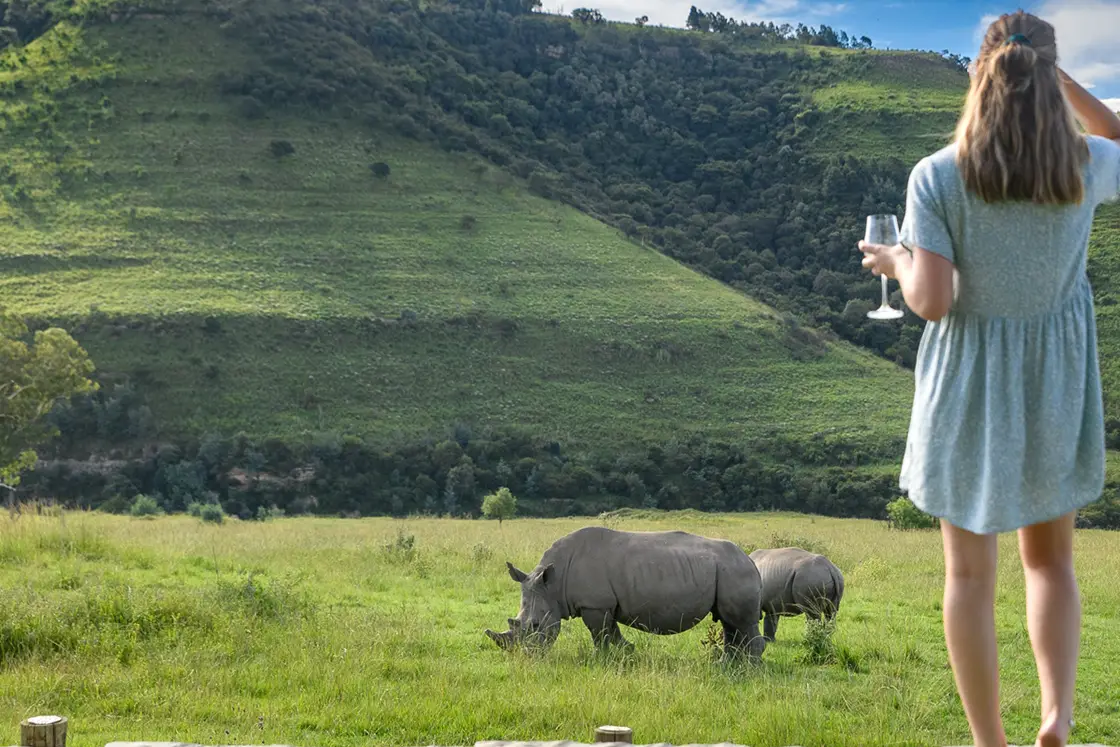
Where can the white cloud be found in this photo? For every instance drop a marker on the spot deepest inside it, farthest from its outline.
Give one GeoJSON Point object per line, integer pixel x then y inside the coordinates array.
{"type": "Point", "coordinates": [1113, 104]}
{"type": "Point", "coordinates": [675, 12]}
{"type": "Point", "coordinates": [1086, 38]}
{"type": "Point", "coordinates": [982, 30]}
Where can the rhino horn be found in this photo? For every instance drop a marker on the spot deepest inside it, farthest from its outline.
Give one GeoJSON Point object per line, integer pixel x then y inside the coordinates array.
{"type": "Point", "coordinates": [515, 573]}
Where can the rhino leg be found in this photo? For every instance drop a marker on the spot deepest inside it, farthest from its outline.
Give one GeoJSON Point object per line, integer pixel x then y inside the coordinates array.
{"type": "Point", "coordinates": [770, 625]}
{"type": "Point", "coordinates": [604, 629]}
{"type": "Point", "coordinates": [737, 642]}
{"type": "Point", "coordinates": [739, 611]}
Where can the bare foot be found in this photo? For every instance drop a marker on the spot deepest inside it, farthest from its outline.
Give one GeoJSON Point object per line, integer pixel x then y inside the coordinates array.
{"type": "Point", "coordinates": [1054, 732]}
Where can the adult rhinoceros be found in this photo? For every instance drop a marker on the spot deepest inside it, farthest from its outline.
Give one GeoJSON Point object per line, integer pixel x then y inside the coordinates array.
{"type": "Point", "coordinates": [658, 582]}
{"type": "Point", "coordinates": [796, 581]}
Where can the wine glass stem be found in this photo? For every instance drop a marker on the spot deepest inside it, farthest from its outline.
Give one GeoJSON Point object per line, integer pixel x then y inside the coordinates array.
{"type": "Point", "coordinates": [884, 277]}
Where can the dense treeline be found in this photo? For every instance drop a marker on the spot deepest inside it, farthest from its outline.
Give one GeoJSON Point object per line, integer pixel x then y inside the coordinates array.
{"type": "Point", "coordinates": [695, 144]}
{"type": "Point", "coordinates": [24, 20]}
{"type": "Point", "coordinates": [825, 36]}
{"type": "Point", "coordinates": [336, 474]}
{"type": "Point", "coordinates": [449, 475]}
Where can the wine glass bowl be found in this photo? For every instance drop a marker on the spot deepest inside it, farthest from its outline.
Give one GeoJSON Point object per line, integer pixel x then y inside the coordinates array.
{"type": "Point", "coordinates": [883, 229]}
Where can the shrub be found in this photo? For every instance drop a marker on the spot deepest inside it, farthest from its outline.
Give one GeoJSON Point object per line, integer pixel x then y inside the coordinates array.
{"type": "Point", "coordinates": [281, 148]}
{"type": "Point", "coordinates": [481, 553]}
{"type": "Point", "coordinates": [500, 505]}
{"type": "Point", "coordinates": [380, 170]}
{"type": "Point", "coordinates": [144, 505]}
{"type": "Point", "coordinates": [819, 648]}
{"type": "Point", "coordinates": [212, 513]}
{"type": "Point", "coordinates": [268, 513]}
{"type": "Point", "coordinates": [902, 514]}
{"type": "Point", "coordinates": [402, 549]}
{"type": "Point", "coordinates": [117, 504]}
{"type": "Point", "coordinates": [468, 222]}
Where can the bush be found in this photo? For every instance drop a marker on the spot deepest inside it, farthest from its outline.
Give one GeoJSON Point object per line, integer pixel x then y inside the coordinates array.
{"type": "Point", "coordinates": [268, 513]}
{"type": "Point", "coordinates": [902, 514]}
{"type": "Point", "coordinates": [468, 222]}
{"type": "Point", "coordinates": [819, 648]}
{"type": "Point", "coordinates": [117, 504]}
{"type": "Point", "coordinates": [281, 148]}
{"type": "Point", "coordinates": [212, 513]}
{"type": "Point", "coordinates": [402, 549]}
{"type": "Point", "coordinates": [144, 505]}
{"type": "Point", "coordinates": [380, 170]}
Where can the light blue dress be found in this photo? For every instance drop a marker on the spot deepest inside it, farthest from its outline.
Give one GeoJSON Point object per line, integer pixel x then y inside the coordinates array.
{"type": "Point", "coordinates": [1007, 428]}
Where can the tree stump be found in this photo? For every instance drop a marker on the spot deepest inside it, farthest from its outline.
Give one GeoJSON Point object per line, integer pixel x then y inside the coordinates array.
{"type": "Point", "coordinates": [614, 734]}
{"type": "Point", "coordinates": [43, 731]}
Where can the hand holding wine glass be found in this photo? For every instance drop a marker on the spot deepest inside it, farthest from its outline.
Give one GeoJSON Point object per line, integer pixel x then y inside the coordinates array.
{"type": "Point", "coordinates": [881, 234]}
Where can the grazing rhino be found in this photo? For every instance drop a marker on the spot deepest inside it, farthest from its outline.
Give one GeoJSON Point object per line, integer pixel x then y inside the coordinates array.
{"type": "Point", "coordinates": [658, 582]}
{"type": "Point", "coordinates": [796, 581]}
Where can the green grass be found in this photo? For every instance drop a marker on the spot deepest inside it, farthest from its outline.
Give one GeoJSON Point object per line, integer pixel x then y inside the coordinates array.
{"type": "Point", "coordinates": [378, 307]}
{"type": "Point", "coordinates": [308, 631]}
{"type": "Point", "coordinates": [889, 104]}
{"type": "Point", "coordinates": [1104, 272]}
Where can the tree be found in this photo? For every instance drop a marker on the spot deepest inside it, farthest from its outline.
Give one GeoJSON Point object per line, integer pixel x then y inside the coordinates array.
{"type": "Point", "coordinates": [33, 377]}
{"type": "Point", "coordinates": [500, 505]}
{"type": "Point", "coordinates": [587, 15]}
{"type": "Point", "coordinates": [697, 20]}
{"type": "Point", "coordinates": [641, 20]}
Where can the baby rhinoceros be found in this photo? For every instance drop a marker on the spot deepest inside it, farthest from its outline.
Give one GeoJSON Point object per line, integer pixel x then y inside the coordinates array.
{"type": "Point", "coordinates": [796, 581]}
{"type": "Point", "coordinates": [659, 582]}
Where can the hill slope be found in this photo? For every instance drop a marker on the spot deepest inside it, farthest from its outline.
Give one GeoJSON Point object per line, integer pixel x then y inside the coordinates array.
{"type": "Point", "coordinates": [243, 291]}
{"type": "Point", "coordinates": [227, 206]}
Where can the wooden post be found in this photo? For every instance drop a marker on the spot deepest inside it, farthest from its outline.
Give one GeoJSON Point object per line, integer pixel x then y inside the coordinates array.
{"type": "Point", "coordinates": [614, 734]}
{"type": "Point", "coordinates": [43, 731]}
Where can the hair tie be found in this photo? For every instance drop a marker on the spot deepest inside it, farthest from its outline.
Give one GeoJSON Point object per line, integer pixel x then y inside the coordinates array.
{"type": "Point", "coordinates": [1018, 39]}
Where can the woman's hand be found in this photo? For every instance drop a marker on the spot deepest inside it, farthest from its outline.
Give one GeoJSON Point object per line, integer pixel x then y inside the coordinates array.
{"type": "Point", "coordinates": [882, 259]}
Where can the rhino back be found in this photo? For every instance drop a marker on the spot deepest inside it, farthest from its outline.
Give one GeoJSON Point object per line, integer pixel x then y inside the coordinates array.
{"type": "Point", "coordinates": [656, 580]}
{"type": "Point", "coordinates": [785, 570]}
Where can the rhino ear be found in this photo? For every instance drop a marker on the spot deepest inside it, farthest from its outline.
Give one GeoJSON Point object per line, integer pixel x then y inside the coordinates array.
{"type": "Point", "coordinates": [547, 573]}
{"type": "Point", "coordinates": [516, 574]}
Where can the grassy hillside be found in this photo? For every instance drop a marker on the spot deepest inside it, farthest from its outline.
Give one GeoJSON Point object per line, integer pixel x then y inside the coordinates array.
{"type": "Point", "coordinates": [888, 104]}
{"type": "Point", "coordinates": [345, 632]}
{"type": "Point", "coordinates": [271, 245]}
{"type": "Point", "coordinates": [242, 291]}
{"type": "Point", "coordinates": [1104, 272]}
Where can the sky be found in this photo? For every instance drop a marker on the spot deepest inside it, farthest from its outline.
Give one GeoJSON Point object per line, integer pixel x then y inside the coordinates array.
{"type": "Point", "coordinates": [1087, 29]}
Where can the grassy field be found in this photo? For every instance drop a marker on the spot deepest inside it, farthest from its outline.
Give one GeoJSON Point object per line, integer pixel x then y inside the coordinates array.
{"type": "Point", "coordinates": [331, 632]}
{"type": "Point", "coordinates": [391, 307]}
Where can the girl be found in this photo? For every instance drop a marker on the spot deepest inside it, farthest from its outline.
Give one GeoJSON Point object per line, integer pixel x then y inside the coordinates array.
{"type": "Point", "coordinates": [1007, 429]}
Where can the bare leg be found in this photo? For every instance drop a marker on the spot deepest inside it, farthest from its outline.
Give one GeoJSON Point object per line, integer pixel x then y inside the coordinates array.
{"type": "Point", "coordinates": [970, 630]}
{"type": "Point", "coordinates": [1054, 621]}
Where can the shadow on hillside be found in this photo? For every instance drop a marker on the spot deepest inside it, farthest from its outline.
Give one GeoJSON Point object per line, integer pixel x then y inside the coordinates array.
{"type": "Point", "coordinates": [37, 264]}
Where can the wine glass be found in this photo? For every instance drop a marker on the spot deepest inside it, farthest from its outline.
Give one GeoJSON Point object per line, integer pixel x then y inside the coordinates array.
{"type": "Point", "coordinates": [883, 229]}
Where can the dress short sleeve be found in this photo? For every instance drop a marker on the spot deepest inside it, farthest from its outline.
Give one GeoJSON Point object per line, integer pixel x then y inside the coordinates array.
{"type": "Point", "coordinates": [1104, 165]}
{"type": "Point", "coordinates": [925, 225]}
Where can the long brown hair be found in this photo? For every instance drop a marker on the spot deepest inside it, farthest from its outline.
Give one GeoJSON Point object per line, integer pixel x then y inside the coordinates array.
{"type": "Point", "coordinates": [1017, 139]}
